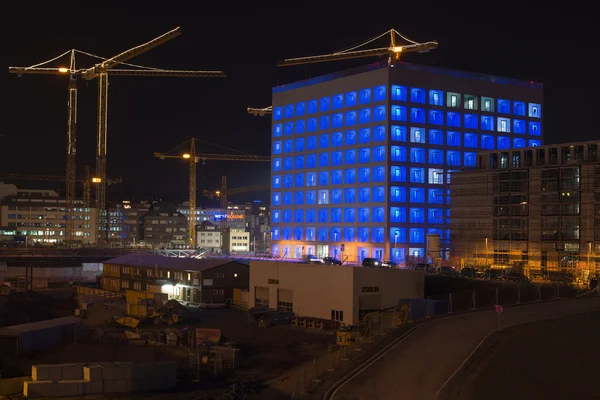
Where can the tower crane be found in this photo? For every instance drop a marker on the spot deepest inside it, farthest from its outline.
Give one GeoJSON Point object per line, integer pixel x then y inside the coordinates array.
{"type": "Point", "coordinates": [393, 51]}
{"type": "Point", "coordinates": [101, 71]}
{"type": "Point", "coordinates": [222, 194]}
{"type": "Point", "coordinates": [193, 159]}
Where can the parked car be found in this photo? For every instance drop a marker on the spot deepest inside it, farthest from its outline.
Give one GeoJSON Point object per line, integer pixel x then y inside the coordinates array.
{"type": "Point", "coordinates": [446, 270]}
{"type": "Point", "coordinates": [470, 272]}
{"type": "Point", "coordinates": [331, 261]}
{"type": "Point", "coordinates": [312, 259]}
{"type": "Point", "coordinates": [494, 274]}
{"type": "Point", "coordinates": [371, 263]}
{"type": "Point", "coordinates": [389, 264]}
{"type": "Point", "coordinates": [213, 304]}
{"type": "Point", "coordinates": [516, 277]}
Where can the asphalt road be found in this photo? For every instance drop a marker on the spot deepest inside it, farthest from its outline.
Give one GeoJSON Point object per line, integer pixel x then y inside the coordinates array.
{"type": "Point", "coordinates": [421, 364]}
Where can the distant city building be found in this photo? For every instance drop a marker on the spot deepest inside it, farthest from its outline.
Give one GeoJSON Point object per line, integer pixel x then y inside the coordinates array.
{"type": "Point", "coordinates": [209, 239]}
{"type": "Point", "coordinates": [165, 227]}
{"type": "Point", "coordinates": [126, 223]}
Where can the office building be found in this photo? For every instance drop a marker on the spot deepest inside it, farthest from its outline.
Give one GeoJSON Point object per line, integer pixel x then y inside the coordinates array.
{"type": "Point", "coordinates": [361, 159]}
{"type": "Point", "coordinates": [536, 209]}
{"type": "Point", "coordinates": [165, 227]}
{"type": "Point", "coordinates": [209, 239]}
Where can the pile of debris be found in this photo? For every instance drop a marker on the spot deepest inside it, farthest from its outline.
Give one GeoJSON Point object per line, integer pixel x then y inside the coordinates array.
{"type": "Point", "coordinates": [242, 390]}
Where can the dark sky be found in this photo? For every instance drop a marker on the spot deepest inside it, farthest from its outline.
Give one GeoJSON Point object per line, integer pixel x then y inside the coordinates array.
{"type": "Point", "coordinates": [148, 114]}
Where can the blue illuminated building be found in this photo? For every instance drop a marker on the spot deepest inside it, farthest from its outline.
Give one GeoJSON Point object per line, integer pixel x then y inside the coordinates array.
{"type": "Point", "coordinates": [361, 159]}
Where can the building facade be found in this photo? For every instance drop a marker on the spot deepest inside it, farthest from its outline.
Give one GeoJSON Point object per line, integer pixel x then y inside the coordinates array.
{"type": "Point", "coordinates": [209, 239]}
{"type": "Point", "coordinates": [535, 209]}
{"type": "Point", "coordinates": [361, 159]}
{"type": "Point", "coordinates": [165, 227]}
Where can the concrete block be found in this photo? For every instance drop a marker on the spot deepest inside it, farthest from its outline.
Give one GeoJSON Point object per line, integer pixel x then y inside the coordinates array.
{"type": "Point", "coordinates": [38, 389]}
{"type": "Point", "coordinates": [116, 371]}
{"type": "Point", "coordinates": [142, 371]}
{"type": "Point", "coordinates": [46, 372]}
{"type": "Point", "coordinates": [71, 388]}
{"type": "Point", "coordinates": [58, 389]}
{"type": "Point", "coordinates": [92, 373]}
{"type": "Point", "coordinates": [117, 386]}
{"type": "Point", "coordinates": [72, 371]}
{"type": "Point", "coordinates": [94, 387]}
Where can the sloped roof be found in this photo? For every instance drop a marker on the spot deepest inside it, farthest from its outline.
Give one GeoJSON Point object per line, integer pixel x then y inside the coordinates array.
{"type": "Point", "coordinates": [16, 330]}
{"type": "Point", "coordinates": [188, 264]}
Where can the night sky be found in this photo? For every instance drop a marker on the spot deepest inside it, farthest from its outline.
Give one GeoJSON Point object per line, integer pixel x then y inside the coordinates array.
{"type": "Point", "coordinates": [148, 114]}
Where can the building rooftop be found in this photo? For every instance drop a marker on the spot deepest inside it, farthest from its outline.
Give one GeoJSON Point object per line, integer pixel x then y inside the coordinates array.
{"type": "Point", "coordinates": [16, 330]}
{"type": "Point", "coordinates": [407, 66]}
{"type": "Point", "coordinates": [188, 264]}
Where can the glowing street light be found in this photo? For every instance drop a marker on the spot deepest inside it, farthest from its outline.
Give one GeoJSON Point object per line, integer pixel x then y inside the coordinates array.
{"type": "Point", "coordinates": [186, 156]}
{"type": "Point", "coordinates": [63, 70]}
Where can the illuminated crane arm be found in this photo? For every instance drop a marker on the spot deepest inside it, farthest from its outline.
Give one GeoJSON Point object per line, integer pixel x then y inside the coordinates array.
{"type": "Point", "coordinates": [166, 72]}
{"type": "Point", "coordinates": [38, 71]}
{"type": "Point", "coordinates": [333, 57]}
{"type": "Point", "coordinates": [230, 192]}
{"type": "Point", "coordinates": [260, 111]}
{"type": "Point", "coordinates": [232, 157]}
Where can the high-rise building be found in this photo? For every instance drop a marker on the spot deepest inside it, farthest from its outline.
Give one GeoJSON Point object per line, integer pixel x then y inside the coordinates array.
{"type": "Point", "coordinates": [361, 159]}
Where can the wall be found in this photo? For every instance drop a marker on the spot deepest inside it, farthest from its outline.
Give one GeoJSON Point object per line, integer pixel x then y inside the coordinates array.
{"type": "Point", "coordinates": [227, 283]}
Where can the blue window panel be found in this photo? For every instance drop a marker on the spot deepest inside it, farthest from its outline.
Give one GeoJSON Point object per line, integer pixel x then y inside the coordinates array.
{"type": "Point", "coordinates": [364, 214]}
{"type": "Point", "coordinates": [417, 175]}
{"type": "Point", "coordinates": [324, 122]}
{"type": "Point", "coordinates": [378, 235]}
{"type": "Point", "coordinates": [364, 155]}
{"type": "Point", "coordinates": [435, 196]}
{"type": "Point", "coordinates": [364, 135]}
{"type": "Point", "coordinates": [349, 195]}
{"type": "Point", "coordinates": [364, 116]}
{"type": "Point", "coordinates": [364, 195]}
{"type": "Point", "coordinates": [398, 153]}
{"type": "Point", "coordinates": [453, 158]}
{"type": "Point", "coordinates": [287, 216]}
{"type": "Point", "coordinates": [311, 161]}
{"type": "Point", "coordinates": [350, 138]}
{"type": "Point", "coordinates": [397, 235]}
{"type": "Point", "coordinates": [535, 128]}
{"type": "Point", "coordinates": [299, 180]}
{"type": "Point", "coordinates": [416, 195]}
{"type": "Point", "coordinates": [287, 235]}
{"type": "Point", "coordinates": [289, 111]}
{"type": "Point", "coordinates": [287, 198]}
{"type": "Point", "coordinates": [277, 147]}
{"type": "Point", "coordinates": [277, 113]}
{"type": "Point", "coordinates": [276, 216]}
{"type": "Point", "coordinates": [377, 215]}
{"type": "Point", "coordinates": [312, 106]}
{"type": "Point", "coordinates": [436, 176]}
{"type": "Point", "coordinates": [299, 216]}
{"type": "Point", "coordinates": [275, 235]}
{"type": "Point", "coordinates": [299, 162]}
{"type": "Point", "coordinates": [324, 141]}
{"type": "Point", "coordinates": [351, 99]}
{"type": "Point", "coordinates": [435, 216]}
{"type": "Point", "coordinates": [350, 157]}
{"type": "Point", "coordinates": [277, 130]}
{"type": "Point", "coordinates": [379, 154]}
{"type": "Point", "coordinates": [471, 121]}
{"type": "Point", "coordinates": [503, 124]}
{"type": "Point", "coordinates": [436, 98]}
{"type": "Point", "coordinates": [311, 215]}
{"type": "Point", "coordinates": [311, 198]}
{"type": "Point", "coordinates": [519, 108]}
{"type": "Point", "coordinates": [378, 174]}
{"type": "Point", "coordinates": [398, 255]}
{"type": "Point", "coordinates": [323, 197]}
{"type": "Point", "coordinates": [417, 155]}
{"type": "Point", "coordinates": [416, 215]}
{"type": "Point", "coordinates": [325, 104]}
{"type": "Point", "coordinates": [337, 101]}
{"type": "Point", "coordinates": [399, 93]}
{"type": "Point", "coordinates": [336, 216]}
{"type": "Point", "coordinates": [336, 234]}
{"type": "Point", "coordinates": [379, 114]}
{"type": "Point", "coordinates": [350, 215]}
{"type": "Point", "coordinates": [453, 100]}
{"type": "Point", "coordinates": [436, 157]}
{"type": "Point", "coordinates": [470, 159]}
{"type": "Point", "coordinates": [471, 140]}
{"type": "Point", "coordinates": [336, 196]}
{"type": "Point", "coordinates": [298, 233]}
{"type": "Point", "coordinates": [398, 214]}
{"type": "Point", "coordinates": [417, 135]}
{"type": "Point", "coordinates": [324, 160]}
{"type": "Point", "coordinates": [311, 143]}
{"type": "Point", "coordinates": [338, 120]}
{"type": "Point", "coordinates": [364, 175]}
{"type": "Point", "coordinates": [337, 139]}
{"type": "Point", "coordinates": [379, 93]}
{"type": "Point", "coordinates": [351, 118]}
{"type": "Point", "coordinates": [349, 234]}
{"type": "Point", "coordinates": [288, 163]}
{"type": "Point", "coordinates": [288, 146]}
{"type": "Point", "coordinates": [453, 138]}
{"type": "Point", "coordinates": [378, 194]}
{"type": "Point", "coordinates": [323, 178]}
{"type": "Point", "coordinates": [323, 234]}
{"type": "Point", "coordinates": [519, 143]}
{"type": "Point", "coordinates": [276, 198]}
{"type": "Point", "coordinates": [288, 181]}
{"type": "Point", "coordinates": [276, 182]}
{"type": "Point", "coordinates": [365, 96]}
{"type": "Point", "coordinates": [535, 110]}
{"type": "Point", "coordinates": [398, 194]}
{"type": "Point", "coordinates": [436, 137]}
{"type": "Point", "coordinates": [487, 104]}
{"type": "Point", "coordinates": [350, 176]}
{"type": "Point", "coordinates": [336, 177]}
{"type": "Point", "coordinates": [323, 215]}
{"type": "Point", "coordinates": [503, 106]}
{"type": "Point", "coordinates": [300, 126]}
{"type": "Point", "coordinates": [417, 115]}
{"type": "Point", "coordinates": [336, 158]}
{"type": "Point", "coordinates": [398, 133]}
{"type": "Point", "coordinates": [534, 143]}
{"type": "Point", "coordinates": [503, 142]}
{"type": "Point", "coordinates": [299, 144]}
{"type": "Point", "coordinates": [312, 125]}
{"type": "Point", "coordinates": [453, 119]}
{"type": "Point", "coordinates": [300, 109]}
{"type": "Point", "coordinates": [417, 95]}
{"type": "Point", "coordinates": [310, 234]}
{"type": "Point", "coordinates": [436, 117]}
{"type": "Point", "coordinates": [487, 123]}
{"type": "Point", "coordinates": [519, 126]}
{"type": "Point", "coordinates": [399, 113]}
{"type": "Point", "coordinates": [398, 174]}
{"type": "Point", "coordinates": [487, 142]}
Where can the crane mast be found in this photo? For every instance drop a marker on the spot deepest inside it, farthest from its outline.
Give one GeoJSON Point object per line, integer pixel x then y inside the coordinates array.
{"type": "Point", "coordinates": [71, 154]}
{"type": "Point", "coordinates": [192, 217]}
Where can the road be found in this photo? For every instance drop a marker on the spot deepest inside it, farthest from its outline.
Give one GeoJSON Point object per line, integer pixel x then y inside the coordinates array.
{"type": "Point", "coordinates": [421, 364]}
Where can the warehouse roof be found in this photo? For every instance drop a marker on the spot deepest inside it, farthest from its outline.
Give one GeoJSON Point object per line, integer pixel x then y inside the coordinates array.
{"type": "Point", "coordinates": [188, 264]}
{"type": "Point", "coordinates": [17, 330]}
